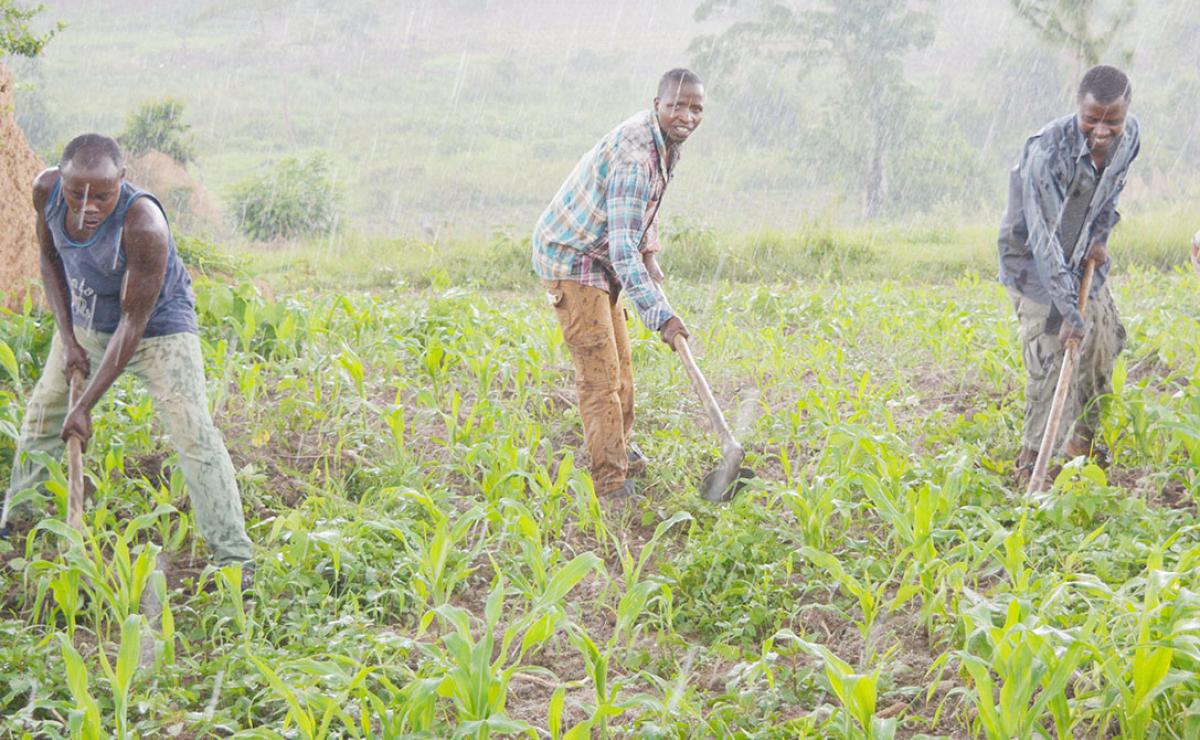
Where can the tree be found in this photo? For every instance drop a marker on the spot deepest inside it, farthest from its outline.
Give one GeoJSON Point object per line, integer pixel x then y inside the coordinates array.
{"type": "Point", "coordinates": [159, 125]}
{"type": "Point", "coordinates": [15, 35]}
{"type": "Point", "coordinates": [1077, 26]}
{"type": "Point", "coordinates": [862, 42]}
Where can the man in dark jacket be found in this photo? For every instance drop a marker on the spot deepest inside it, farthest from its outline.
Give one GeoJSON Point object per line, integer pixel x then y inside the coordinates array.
{"type": "Point", "coordinates": [1062, 207]}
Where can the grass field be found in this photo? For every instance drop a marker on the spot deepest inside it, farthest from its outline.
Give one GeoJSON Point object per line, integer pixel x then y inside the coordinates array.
{"type": "Point", "coordinates": [455, 116]}
{"type": "Point", "coordinates": [432, 559]}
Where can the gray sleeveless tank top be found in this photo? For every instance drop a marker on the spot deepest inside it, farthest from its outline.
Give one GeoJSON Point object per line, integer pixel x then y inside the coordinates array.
{"type": "Point", "coordinates": [96, 268]}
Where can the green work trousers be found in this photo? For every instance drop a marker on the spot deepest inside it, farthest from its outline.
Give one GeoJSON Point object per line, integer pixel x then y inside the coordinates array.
{"type": "Point", "coordinates": [1043, 356]}
{"type": "Point", "coordinates": [173, 370]}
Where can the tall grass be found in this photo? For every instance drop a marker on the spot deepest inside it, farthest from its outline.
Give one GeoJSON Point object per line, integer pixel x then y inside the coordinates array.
{"type": "Point", "coordinates": [924, 250]}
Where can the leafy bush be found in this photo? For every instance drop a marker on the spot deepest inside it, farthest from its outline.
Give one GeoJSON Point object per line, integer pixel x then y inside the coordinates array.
{"type": "Point", "coordinates": [159, 125]}
{"type": "Point", "coordinates": [15, 35]}
{"type": "Point", "coordinates": [292, 198]}
{"type": "Point", "coordinates": [207, 256]}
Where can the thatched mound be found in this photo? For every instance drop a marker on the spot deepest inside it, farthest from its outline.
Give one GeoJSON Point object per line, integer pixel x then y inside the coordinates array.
{"type": "Point", "coordinates": [188, 206]}
{"type": "Point", "coordinates": [19, 270]}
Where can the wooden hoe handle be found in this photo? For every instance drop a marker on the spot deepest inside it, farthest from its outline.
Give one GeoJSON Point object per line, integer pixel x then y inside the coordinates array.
{"type": "Point", "coordinates": [1070, 356]}
{"type": "Point", "coordinates": [700, 385]}
{"type": "Point", "coordinates": [75, 462]}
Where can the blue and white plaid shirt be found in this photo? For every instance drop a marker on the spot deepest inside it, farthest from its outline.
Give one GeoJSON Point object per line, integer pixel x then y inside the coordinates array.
{"type": "Point", "coordinates": [595, 230]}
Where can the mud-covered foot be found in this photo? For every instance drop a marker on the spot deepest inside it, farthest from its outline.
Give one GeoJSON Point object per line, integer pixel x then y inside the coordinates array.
{"type": "Point", "coordinates": [1083, 446]}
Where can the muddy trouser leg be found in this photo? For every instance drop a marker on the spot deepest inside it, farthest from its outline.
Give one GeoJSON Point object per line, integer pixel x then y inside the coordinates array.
{"type": "Point", "coordinates": [44, 415]}
{"type": "Point", "coordinates": [588, 324]}
{"type": "Point", "coordinates": [173, 369]}
{"type": "Point", "coordinates": [625, 367]}
{"type": "Point", "coordinates": [1097, 357]}
{"type": "Point", "coordinates": [1043, 356]}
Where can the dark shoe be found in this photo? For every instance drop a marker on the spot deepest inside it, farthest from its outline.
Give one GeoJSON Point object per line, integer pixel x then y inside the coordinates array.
{"type": "Point", "coordinates": [247, 576]}
{"type": "Point", "coordinates": [17, 528]}
{"type": "Point", "coordinates": [624, 491]}
{"type": "Point", "coordinates": [637, 461]}
{"type": "Point", "coordinates": [1023, 467]}
{"type": "Point", "coordinates": [20, 520]}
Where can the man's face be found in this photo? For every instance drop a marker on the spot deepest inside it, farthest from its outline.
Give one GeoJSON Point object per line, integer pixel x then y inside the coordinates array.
{"type": "Point", "coordinates": [1102, 123]}
{"type": "Point", "coordinates": [679, 111]}
{"type": "Point", "coordinates": [91, 191]}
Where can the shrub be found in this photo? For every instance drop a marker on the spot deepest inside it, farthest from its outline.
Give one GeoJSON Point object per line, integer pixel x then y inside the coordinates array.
{"type": "Point", "coordinates": [207, 257]}
{"type": "Point", "coordinates": [159, 125]}
{"type": "Point", "coordinates": [291, 198]}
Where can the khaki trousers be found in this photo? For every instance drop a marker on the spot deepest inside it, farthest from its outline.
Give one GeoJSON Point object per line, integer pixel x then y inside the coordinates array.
{"type": "Point", "coordinates": [595, 332]}
{"type": "Point", "coordinates": [1043, 355]}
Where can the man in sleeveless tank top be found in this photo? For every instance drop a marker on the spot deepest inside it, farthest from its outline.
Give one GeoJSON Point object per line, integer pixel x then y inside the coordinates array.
{"type": "Point", "coordinates": [122, 300]}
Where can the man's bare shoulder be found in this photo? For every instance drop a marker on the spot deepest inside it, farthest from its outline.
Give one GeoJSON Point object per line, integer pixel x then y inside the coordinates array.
{"type": "Point", "coordinates": [43, 185]}
{"type": "Point", "coordinates": [145, 226]}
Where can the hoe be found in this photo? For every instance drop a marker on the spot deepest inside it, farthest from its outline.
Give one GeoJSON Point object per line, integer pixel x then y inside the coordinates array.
{"type": "Point", "coordinates": [75, 463]}
{"type": "Point", "coordinates": [1046, 449]}
{"type": "Point", "coordinates": [74, 469]}
{"type": "Point", "coordinates": [726, 480]}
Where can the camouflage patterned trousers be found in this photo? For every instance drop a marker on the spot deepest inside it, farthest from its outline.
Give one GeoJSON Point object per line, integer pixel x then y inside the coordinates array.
{"type": "Point", "coordinates": [1043, 355]}
{"type": "Point", "coordinates": [173, 371]}
{"type": "Point", "coordinates": [594, 330]}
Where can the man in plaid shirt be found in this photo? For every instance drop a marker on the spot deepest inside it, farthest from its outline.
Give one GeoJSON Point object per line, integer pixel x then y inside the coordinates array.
{"type": "Point", "coordinates": [598, 237]}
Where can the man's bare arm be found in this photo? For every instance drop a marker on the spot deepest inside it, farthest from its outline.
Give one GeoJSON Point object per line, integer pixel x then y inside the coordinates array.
{"type": "Point", "coordinates": [145, 242]}
{"type": "Point", "coordinates": [54, 275]}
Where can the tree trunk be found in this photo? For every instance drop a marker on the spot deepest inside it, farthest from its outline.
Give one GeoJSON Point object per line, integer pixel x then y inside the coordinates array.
{"type": "Point", "coordinates": [875, 190]}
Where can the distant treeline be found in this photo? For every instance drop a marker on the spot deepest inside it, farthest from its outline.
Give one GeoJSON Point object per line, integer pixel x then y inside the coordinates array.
{"type": "Point", "coordinates": [451, 118]}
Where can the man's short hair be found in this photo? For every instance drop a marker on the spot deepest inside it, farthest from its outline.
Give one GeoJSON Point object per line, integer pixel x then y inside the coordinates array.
{"type": "Point", "coordinates": [677, 78]}
{"type": "Point", "coordinates": [90, 149]}
{"type": "Point", "coordinates": [1106, 84]}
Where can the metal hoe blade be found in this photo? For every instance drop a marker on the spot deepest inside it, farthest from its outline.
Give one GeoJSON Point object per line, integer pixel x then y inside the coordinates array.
{"type": "Point", "coordinates": [723, 483]}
